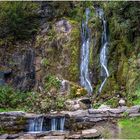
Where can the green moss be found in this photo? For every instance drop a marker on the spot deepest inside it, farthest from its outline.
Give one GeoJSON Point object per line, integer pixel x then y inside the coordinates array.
{"type": "Point", "coordinates": [21, 121]}
{"type": "Point", "coordinates": [6, 109]}
{"type": "Point", "coordinates": [130, 128]}
{"type": "Point", "coordinates": [51, 82]}
{"type": "Point", "coordinates": [50, 102]}
{"type": "Point", "coordinates": [110, 89]}
{"type": "Point", "coordinates": [74, 46]}
{"type": "Point", "coordinates": [3, 131]}
{"type": "Point", "coordinates": [113, 102]}
{"type": "Point", "coordinates": [123, 50]}
{"type": "Point", "coordinates": [45, 62]}
{"type": "Point", "coordinates": [67, 48]}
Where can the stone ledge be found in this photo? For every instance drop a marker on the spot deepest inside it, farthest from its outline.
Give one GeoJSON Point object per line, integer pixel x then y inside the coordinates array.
{"type": "Point", "coordinates": [106, 113]}
{"type": "Point", "coordinates": [16, 121]}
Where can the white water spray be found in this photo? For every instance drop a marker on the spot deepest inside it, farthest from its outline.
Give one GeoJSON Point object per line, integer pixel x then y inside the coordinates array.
{"type": "Point", "coordinates": [104, 49]}
{"type": "Point", "coordinates": [84, 72]}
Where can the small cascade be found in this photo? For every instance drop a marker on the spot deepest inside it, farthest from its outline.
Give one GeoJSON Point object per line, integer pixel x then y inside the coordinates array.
{"type": "Point", "coordinates": [84, 71]}
{"type": "Point", "coordinates": [54, 124]}
{"type": "Point", "coordinates": [41, 124]}
{"type": "Point", "coordinates": [36, 124]}
{"type": "Point", "coordinates": [104, 49]}
{"type": "Point", "coordinates": [57, 124]}
{"type": "Point", "coordinates": [62, 123]}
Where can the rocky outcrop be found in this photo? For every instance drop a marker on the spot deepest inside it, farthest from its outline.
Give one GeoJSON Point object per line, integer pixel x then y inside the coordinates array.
{"type": "Point", "coordinates": [88, 118]}
{"type": "Point", "coordinates": [19, 68]}
{"type": "Point", "coordinates": [78, 124]}
{"type": "Point", "coordinates": [12, 122]}
{"type": "Point", "coordinates": [25, 77]}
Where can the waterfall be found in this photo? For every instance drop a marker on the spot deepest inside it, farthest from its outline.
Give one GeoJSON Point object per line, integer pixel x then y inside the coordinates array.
{"type": "Point", "coordinates": [57, 124]}
{"type": "Point", "coordinates": [53, 124]}
{"type": "Point", "coordinates": [104, 49]}
{"type": "Point", "coordinates": [84, 72]}
{"type": "Point", "coordinates": [62, 123]}
{"type": "Point", "coordinates": [40, 123]}
{"type": "Point", "coordinates": [36, 124]}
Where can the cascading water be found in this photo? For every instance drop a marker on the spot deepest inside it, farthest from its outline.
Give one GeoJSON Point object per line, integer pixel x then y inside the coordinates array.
{"type": "Point", "coordinates": [40, 124]}
{"type": "Point", "coordinates": [62, 123]}
{"type": "Point", "coordinates": [84, 72]}
{"type": "Point", "coordinates": [57, 124]}
{"type": "Point", "coordinates": [53, 124]}
{"type": "Point", "coordinates": [104, 49]}
{"type": "Point", "coordinates": [36, 124]}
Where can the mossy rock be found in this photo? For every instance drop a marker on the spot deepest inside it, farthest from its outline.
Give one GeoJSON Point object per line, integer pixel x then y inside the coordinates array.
{"type": "Point", "coordinates": [13, 126]}
{"type": "Point", "coordinates": [61, 49]}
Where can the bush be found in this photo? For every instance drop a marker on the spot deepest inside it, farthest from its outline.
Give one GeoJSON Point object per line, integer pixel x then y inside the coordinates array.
{"type": "Point", "coordinates": [51, 82]}
{"type": "Point", "coordinates": [50, 103]}
{"type": "Point", "coordinates": [9, 98]}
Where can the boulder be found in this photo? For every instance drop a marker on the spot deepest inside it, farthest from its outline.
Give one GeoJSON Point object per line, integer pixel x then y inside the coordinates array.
{"type": "Point", "coordinates": [72, 105]}
{"type": "Point", "coordinates": [78, 104]}
{"type": "Point", "coordinates": [63, 26]}
{"type": "Point", "coordinates": [84, 103]}
{"type": "Point", "coordinates": [122, 102]}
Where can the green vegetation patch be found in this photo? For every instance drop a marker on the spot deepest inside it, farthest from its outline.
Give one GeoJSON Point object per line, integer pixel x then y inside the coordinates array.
{"type": "Point", "coordinates": [130, 128]}
{"type": "Point", "coordinates": [18, 20]}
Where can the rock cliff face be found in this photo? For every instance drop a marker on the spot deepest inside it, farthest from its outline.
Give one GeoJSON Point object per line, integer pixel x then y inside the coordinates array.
{"type": "Point", "coordinates": [55, 49]}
